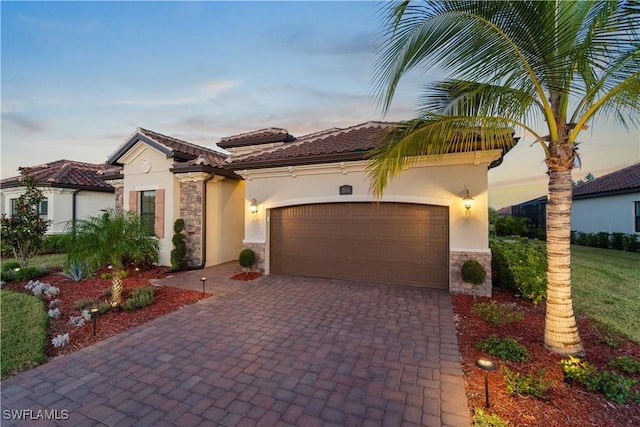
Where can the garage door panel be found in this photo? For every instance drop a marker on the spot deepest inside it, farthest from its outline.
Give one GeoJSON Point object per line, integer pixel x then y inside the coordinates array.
{"type": "Point", "coordinates": [385, 242]}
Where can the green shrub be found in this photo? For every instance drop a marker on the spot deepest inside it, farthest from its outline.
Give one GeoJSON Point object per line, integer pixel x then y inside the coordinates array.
{"type": "Point", "coordinates": [497, 314]}
{"type": "Point", "coordinates": [55, 244]}
{"type": "Point", "coordinates": [29, 273]}
{"type": "Point", "coordinates": [10, 265]}
{"type": "Point", "coordinates": [77, 272]}
{"type": "Point", "coordinates": [631, 243]}
{"type": "Point", "coordinates": [483, 419]}
{"type": "Point", "coordinates": [103, 307]}
{"type": "Point", "coordinates": [179, 251]}
{"type": "Point", "coordinates": [617, 241]}
{"type": "Point", "coordinates": [627, 364]}
{"type": "Point", "coordinates": [473, 272]}
{"type": "Point", "coordinates": [614, 386]}
{"type": "Point", "coordinates": [531, 384]}
{"type": "Point", "coordinates": [24, 323]}
{"type": "Point", "coordinates": [505, 349]}
{"type": "Point", "coordinates": [84, 304]}
{"type": "Point", "coordinates": [140, 297]}
{"type": "Point", "coordinates": [247, 258]}
{"type": "Point", "coordinates": [580, 371]}
{"type": "Point", "coordinates": [520, 265]}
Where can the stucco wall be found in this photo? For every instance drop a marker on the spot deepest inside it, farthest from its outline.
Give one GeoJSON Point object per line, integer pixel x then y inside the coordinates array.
{"type": "Point", "coordinates": [609, 214]}
{"type": "Point", "coordinates": [60, 204]}
{"type": "Point", "coordinates": [439, 181]}
{"type": "Point", "coordinates": [157, 178]}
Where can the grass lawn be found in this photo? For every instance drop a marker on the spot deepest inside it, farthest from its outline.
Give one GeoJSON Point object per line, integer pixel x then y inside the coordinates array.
{"type": "Point", "coordinates": [24, 331]}
{"type": "Point", "coordinates": [48, 261]}
{"type": "Point", "coordinates": [606, 287]}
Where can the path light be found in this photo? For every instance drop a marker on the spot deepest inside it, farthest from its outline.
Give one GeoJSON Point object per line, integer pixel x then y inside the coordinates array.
{"type": "Point", "coordinates": [94, 317]}
{"type": "Point", "coordinates": [467, 201]}
{"type": "Point", "coordinates": [203, 279]}
{"type": "Point", "coordinates": [137, 275]}
{"type": "Point", "coordinates": [486, 366]}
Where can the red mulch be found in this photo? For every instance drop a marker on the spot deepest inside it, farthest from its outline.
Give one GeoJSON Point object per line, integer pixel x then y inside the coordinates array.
{"type": "Point", "coordinates": [246, 276]}
{"type": "Point", "coordinates": [166, 300]}
{"type": "Point", "coordinates": [566, 405]}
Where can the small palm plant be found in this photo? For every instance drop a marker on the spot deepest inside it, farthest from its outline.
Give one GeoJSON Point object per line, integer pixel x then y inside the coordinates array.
{"type": "Point", "coordinates": [113, 238]}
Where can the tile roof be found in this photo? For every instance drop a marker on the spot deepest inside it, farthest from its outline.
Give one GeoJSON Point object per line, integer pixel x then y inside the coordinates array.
{"type": "Point", "coordinates": [63, 174]}
{"type": "Point", "coordinates": [352, 143]}
{"type": "Point", "coordinates": [262, 136]}
{"type": "Point", "coordinates": [196, 154]}
{"type": "Point", "coordinates": [619, 181]}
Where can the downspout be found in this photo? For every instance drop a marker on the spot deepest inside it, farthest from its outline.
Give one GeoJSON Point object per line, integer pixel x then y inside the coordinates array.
{"type": "Point", "coordinates": [74, 206]}
{"type": "Point", "coordinates": [204, 224]}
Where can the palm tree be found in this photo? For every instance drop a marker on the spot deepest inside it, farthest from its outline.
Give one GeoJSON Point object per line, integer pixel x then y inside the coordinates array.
{"type": "Point", "coordinates": [516, 65]}
{"type": "Point", "coordinates": [114, 238]}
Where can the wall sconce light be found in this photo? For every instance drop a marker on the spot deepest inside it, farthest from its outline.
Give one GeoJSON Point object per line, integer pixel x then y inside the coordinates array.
{"type": "Point", "coordinates": [203, 279]}
{"type": "Point", "coordinates": [467, 201]}
{"type": "Point", "coordinates": [486, 366]}
{"type": "Point", "coordinates": [253, 207]}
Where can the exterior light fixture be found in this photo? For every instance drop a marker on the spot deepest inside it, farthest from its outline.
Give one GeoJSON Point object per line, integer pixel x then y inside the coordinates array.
{"type": "Point", "coordinates": [467, 201]}
{"type": "Point", "coordinates": [203, 279]}
{"type": "Point", "coordinates": [137, 275]}
{"type": "Point", "coordinates": [486, 366]}
{"type": "Point", "coordinates": [94, 317]}
{"type": "Point", "coordinates": [253, 207]}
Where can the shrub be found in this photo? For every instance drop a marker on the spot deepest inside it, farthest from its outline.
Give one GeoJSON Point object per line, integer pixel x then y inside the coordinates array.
{"type": "Point", "coordinates": [10, 265]}
{"type": "Point", "coordinates": [24, 323]}
{"type": "Point", "coordinates": [84, 303]}
{"type": "Point", "coordinates": [580, 371]}
{"type": "Point", "coordinates": [505, 349]}
{"type": "Point", "coordinates": [140, 297]}
{"type": "Point", "coordinates": [631, 243]}
{"type": "Point", "coordinates": [103, 307]}
{"type": "Point", "coordinates": [614, 386]}
{"type": "Point", "coordinates": [626, 364]}
{"type": "Point", "coordinates": [22, 274]}
{"type": "Point", "coordinates": [483, 419]}
{"type": "Point", "coordinates": [473, 272]}
{"type": "Point", "coordinates": [55, 244]}
{"type": "Point", "coordinates": [247, 258]}
{"type": "Point", "coordinates": [533, 385]}
{"type": "Point", "coordinates": [520, 265]}
{"type": "Point", "coordinates": [602, 240]}
{"type": "Point", "coordinates": [497, 314]}
{"type": "Point", "coordinates": [179, 252]}
{"type": "Point", "coordinates": [617, 241]}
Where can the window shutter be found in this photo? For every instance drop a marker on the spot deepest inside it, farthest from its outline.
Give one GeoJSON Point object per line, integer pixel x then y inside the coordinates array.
{"type": "Point", "coordinates": [133, 201]}
{"type": "Point", "coordinates": [159, 219]}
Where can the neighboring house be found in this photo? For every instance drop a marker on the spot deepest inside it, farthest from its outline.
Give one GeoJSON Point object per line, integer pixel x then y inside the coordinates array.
{"type": "Point", "coordinates": [315, 215]}
{"type": "Point", "coordinates": [610, 203]}
{"type": "Point", "coordinates": [72, 190]}
{"type": "Point", "coordinates": [164, 178]}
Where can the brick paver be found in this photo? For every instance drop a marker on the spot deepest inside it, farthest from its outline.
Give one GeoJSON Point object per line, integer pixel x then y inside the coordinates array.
{"type": "Point", "coordinates": [278, 350]}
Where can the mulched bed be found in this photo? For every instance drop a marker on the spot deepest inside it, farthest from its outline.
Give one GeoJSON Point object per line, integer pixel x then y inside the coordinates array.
{"type": "Point", "coordinates": [566, 405]}
{"type": "Point", "coordinates": [166, 300]}
{"type": "Point", "coordinates": [246, 276]}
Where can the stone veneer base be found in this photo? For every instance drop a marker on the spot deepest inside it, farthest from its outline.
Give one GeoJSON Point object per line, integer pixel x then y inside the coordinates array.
{"type": "Point", "coordinates": [457, 285]}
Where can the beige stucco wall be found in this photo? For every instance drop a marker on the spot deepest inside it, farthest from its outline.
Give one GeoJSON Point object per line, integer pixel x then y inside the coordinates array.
{"type": "Point", "coordinates": [436, 181]}
{"type": "Point", "coordinates": [157, 178]}
{"type": "Point", "coordinates": [60, 204]}
{"type": "Point", "coordinates": [225, 220]}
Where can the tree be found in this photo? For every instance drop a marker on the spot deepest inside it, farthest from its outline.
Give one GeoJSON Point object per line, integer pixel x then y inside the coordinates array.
{"type": "Point", "coordinates": [23, 232]}
{"type": "Point", "coordinates": [115, 238]}
{"type": "Point", "coordinates": [514, 65]}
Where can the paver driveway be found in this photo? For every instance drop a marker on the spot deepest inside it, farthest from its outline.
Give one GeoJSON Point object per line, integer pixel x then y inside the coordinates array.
{"type": "Point", "coordinates": [275, 351]}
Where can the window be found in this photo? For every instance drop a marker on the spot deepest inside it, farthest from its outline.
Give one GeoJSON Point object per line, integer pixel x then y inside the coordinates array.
{"type": "Point", "coordinates": [43, 209]}
{"type": "Point", "coordinates": [14, 205]}
{"type": "Point", "coordinates": [148, 211]}
{"type": "Point", "coordinates": [637, 217]}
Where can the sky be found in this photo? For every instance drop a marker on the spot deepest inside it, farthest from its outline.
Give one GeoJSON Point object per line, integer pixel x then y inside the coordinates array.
{"type": "Point", "coordinates": [78, 78]}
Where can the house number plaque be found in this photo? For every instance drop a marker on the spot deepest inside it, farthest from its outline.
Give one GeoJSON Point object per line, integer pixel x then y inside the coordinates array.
{"type": "Point", "coordinates": [346, 190]}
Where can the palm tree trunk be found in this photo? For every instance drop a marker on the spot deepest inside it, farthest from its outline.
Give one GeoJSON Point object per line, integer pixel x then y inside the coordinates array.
{"type": "Point", "coordinates": [116, 288]}
{"type": "Point", "coordinates": [560, 329]}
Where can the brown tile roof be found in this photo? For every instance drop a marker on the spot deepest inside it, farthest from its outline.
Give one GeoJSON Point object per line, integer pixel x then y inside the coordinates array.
{"type": "Point", "coordinates": [262, 136]}
{"type": "Point", "coordinates": [623, 180]}
{"type": "Point", "coordinates": [63, 174]}
{"type": "Point", "coordinates": [352, 143]}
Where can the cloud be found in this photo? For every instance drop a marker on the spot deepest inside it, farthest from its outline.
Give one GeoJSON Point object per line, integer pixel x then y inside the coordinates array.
{"type": "Point", "coordinates": [215, 87]}
{"type": "Point", "coordinates": [24, 122]}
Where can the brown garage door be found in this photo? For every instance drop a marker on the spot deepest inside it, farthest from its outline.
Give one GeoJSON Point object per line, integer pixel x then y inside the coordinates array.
{"type": "Point", "coordinates": [398, 243]}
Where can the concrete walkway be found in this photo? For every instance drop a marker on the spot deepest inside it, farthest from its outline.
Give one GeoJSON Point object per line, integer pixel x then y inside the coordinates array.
{"type": "Point", "coordinates": [276, 351]}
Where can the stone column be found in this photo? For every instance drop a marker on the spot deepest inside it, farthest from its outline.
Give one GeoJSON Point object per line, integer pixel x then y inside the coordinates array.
{"type": "Point", "coordinates": [118, 184]}
{"type": "Point", "coordinates": [191, 200]}
{"type": "Point", "coordinates": [457, 285]}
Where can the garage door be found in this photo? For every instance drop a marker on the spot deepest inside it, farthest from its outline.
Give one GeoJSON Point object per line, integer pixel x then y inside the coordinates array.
{"type": "Point", "coordinates": [397, 243]}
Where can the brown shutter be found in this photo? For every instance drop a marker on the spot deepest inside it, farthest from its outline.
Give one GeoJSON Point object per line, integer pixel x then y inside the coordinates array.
{"type": "Point", "coordinates": [133, 201]}
{"type": "Point", "coordinates": [159, 219]}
